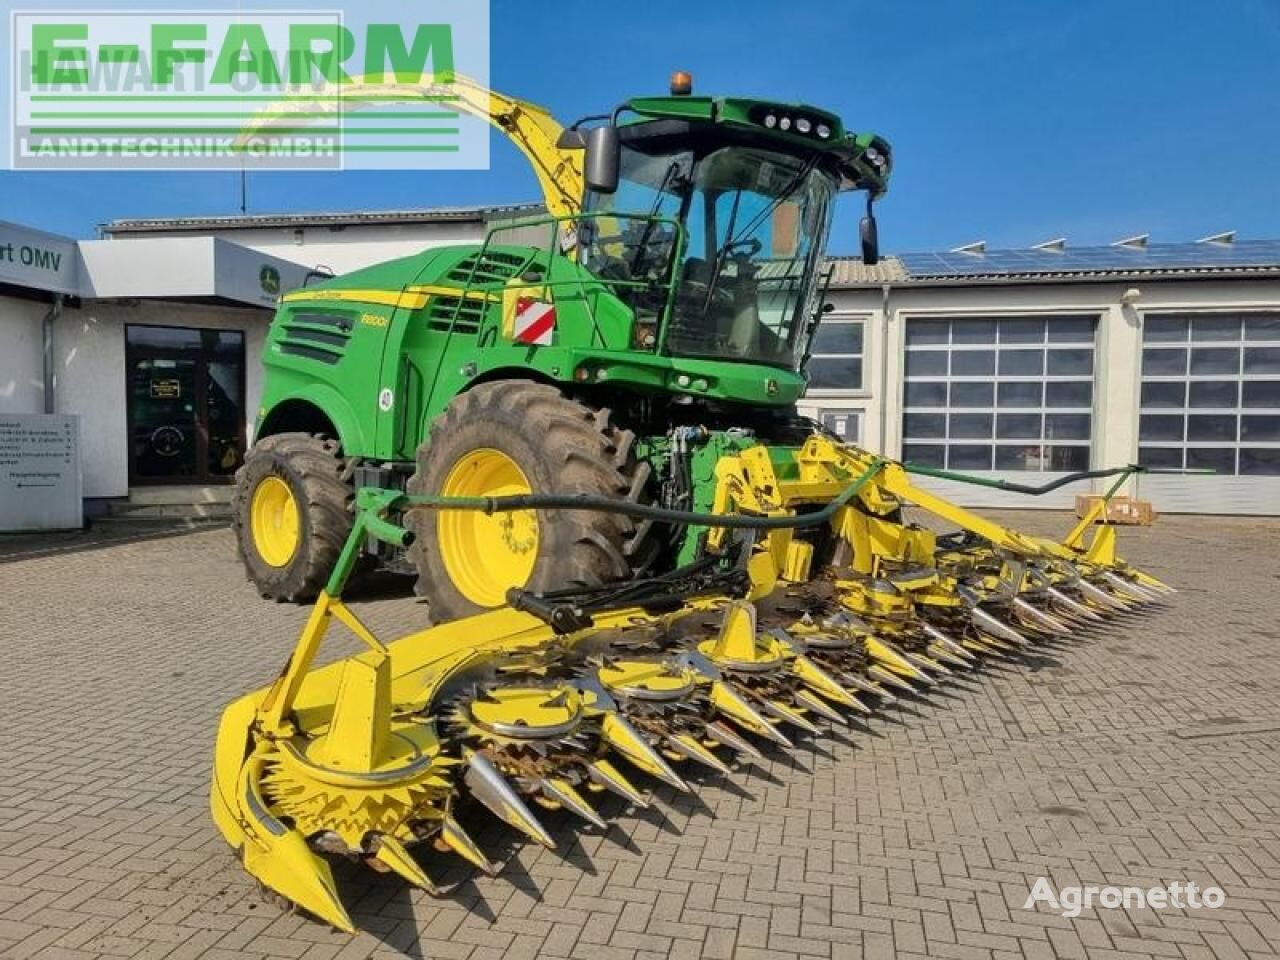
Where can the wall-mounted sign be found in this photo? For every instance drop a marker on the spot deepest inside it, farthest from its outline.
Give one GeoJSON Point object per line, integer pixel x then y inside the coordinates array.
{"type": "Point", "coordinates": [33, 258]}
{"type": "Point", "coordinates": [240, 274]}
{"type": "Point", "coordinates": [269, 280]}
{"type": "Point", "coordinates": [40, 481]}
{"type": "Point", "coordinates": [166, 389]}
{"type": "Point", "coordinates": [845, 424]}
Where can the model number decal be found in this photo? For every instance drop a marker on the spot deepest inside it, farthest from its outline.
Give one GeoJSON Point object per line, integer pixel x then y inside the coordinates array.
{"type": "Point", "coordinates": [373, 320]}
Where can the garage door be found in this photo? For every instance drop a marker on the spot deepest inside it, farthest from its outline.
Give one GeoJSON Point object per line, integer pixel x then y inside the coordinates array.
{"type": "Point", "coordinates": [1002, 396]}
{"type": "Point", "coordinates": [1211, 401]}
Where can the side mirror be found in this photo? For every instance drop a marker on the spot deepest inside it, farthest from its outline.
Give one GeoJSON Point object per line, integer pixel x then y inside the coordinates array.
{"type": "Point", "coordinates": [870, 236]}
{"type": "Point", "coordinates": [604, 149]}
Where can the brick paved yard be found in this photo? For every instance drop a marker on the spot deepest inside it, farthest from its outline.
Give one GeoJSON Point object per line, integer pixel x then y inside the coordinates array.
{"type": "Point", "coordinates": [1142, 756]}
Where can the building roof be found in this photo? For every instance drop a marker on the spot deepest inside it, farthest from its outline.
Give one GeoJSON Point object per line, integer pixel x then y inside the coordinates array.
{"type": "Point", "coordinates": [1132, 258]}
{"type": "Point", "coordinates": [1056, 260]}
{"type": "Point", "coordinates": [852, 272]}
{"type": "Point", "coordinates": [336, 218]}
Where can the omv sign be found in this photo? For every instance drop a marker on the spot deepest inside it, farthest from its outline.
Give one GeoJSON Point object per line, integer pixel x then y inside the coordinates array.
{"type": "Point", "coordinates": [38, 260]}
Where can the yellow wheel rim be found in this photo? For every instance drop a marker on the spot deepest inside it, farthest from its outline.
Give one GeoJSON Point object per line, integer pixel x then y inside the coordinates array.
{"type": "Point", "coordinates": [485, 555]}
{"type": "Point", "coordinates": [273, 516]}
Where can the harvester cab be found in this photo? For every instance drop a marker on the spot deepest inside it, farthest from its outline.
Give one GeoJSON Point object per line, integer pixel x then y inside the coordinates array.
{"type": "Point", "coordinates": [718, 211]}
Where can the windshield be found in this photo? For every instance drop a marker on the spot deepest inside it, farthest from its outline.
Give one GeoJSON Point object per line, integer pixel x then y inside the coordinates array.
{"type": "Point", "coordinates": [755, 221]}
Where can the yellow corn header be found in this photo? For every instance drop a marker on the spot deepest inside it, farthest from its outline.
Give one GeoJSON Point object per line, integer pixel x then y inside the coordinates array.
{"type": "Point", "coordinates": [555, 698]}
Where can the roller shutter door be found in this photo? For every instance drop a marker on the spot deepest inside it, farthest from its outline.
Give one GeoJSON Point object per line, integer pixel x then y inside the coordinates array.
{"type": "Point", "coordinates": [1002, 396]}
{"type": "Point", "coordinates": [1211, 400]}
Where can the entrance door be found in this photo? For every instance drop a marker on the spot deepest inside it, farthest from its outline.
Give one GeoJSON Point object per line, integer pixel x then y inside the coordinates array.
{"type": "Point", "coordinates": [185, 404]}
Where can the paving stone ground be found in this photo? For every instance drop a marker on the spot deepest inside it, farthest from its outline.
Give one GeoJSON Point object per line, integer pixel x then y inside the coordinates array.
{"type": "Point", "coordinates": [1143, 755]}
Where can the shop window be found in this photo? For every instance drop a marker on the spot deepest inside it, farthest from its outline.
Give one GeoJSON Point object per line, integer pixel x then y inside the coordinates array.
{"type": "Point", "coordinates": [837, 355]}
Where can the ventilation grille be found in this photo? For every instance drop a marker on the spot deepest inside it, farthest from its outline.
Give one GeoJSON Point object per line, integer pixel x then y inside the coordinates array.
{"type": "Point", "coordinates": [317, 336]}
{"type": "Point", "coordinates": [469, 314]}
{"type": "Point", "coordinates": [490, 266]}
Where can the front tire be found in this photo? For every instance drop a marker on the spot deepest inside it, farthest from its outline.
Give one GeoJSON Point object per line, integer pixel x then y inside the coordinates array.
{"type": "Point", "coordinates": [513, 437]}
{"type": "Point", "coordinates": [292, 509]}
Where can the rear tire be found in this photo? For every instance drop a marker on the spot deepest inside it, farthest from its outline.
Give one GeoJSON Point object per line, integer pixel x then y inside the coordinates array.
{"type": "Point", "coordinates": [558, 446]}
{"type": "Point", "coordinates": [313, 470]}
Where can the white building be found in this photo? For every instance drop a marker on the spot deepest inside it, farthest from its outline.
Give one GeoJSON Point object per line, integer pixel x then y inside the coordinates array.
{"type": "Point", "coordinates": [1058, 359]}
{"type": "Point", "coordinates": [152, 335]}
{"type": "Point", "coordinates": [1022, 364]}
{"type": "Point", "coordinates": [154, 348]}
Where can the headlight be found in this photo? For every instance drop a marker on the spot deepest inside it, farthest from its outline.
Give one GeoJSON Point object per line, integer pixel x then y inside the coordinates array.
{"type": "Point", "coordinates": [784, 123]}
{"type": "Point", "coordinates": [824, 131]}
{"type": "Point", "coordinates": [770, 121]}
{"type": "Point", "coordinates": [803, 125]}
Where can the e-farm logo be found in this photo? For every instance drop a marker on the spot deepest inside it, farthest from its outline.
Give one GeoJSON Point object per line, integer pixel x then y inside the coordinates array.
{"type": "Point", "coordinates": [261, 90]}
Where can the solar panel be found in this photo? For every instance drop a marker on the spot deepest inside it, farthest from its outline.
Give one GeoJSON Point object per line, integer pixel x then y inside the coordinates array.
{"type": "Point", "coordinates": [1243, 253]}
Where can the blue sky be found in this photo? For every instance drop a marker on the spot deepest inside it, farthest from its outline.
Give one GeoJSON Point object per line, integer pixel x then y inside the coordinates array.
{"type": "Point", "coordinates": [1013, 121]}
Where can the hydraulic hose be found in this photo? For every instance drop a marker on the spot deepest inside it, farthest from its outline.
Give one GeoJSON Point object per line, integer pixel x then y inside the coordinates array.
{"type": "Point", "coordinates": [587, 502]}
{"type": "Point", "coordinates": [377, 502]}
{"type": "Point", "coordinates": [1052, 484]}
{"type": "Point", "coordinates": [1013, 487]}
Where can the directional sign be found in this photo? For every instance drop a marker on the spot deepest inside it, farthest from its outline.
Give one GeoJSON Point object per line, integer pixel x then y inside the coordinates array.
{"type": "Point", "coordinates": [40, 482]}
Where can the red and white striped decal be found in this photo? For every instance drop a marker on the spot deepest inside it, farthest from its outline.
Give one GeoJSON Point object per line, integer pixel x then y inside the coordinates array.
{"type": "Point", "coordinates": [535, 321]}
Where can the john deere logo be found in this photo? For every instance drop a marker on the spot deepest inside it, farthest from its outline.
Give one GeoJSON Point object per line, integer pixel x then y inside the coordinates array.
{"type": "Point", "coordinates": [269, 278]}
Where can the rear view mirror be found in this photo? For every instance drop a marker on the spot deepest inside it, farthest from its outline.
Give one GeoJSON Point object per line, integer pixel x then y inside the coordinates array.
{"type": "Point", "coordinates": [604, 149]}
{"type": "Point", "coordinates": [870, 236]}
